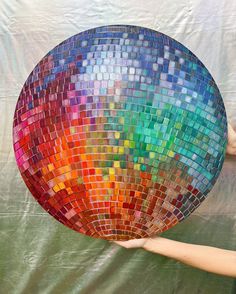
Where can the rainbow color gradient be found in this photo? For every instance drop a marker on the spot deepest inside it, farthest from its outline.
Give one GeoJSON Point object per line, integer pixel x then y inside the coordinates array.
{"type": "Point", "coordinates": [120, 132]}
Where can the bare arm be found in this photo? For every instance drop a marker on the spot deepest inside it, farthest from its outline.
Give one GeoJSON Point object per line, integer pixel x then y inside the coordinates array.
{"type": "Point", "coordinates": [207, 258]}
{"type": "Point", "coordinates": [211, 259]}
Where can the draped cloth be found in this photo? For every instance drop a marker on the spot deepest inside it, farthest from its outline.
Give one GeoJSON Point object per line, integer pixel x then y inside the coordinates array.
{"type": "Point", "coordinates": [40, 255]}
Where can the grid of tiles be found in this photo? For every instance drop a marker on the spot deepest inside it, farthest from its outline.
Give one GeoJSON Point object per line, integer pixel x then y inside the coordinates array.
{"type": "Point", "coordinates": [120, 132]}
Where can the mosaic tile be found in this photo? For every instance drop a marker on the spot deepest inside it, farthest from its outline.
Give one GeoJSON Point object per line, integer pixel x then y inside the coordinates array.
{"type": "Point", "coordinates": [120, 132]}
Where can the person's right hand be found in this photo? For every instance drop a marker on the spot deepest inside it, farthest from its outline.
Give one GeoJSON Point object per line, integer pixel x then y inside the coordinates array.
{"type": "Point", "coordinates": [134, 243]}
{"type": "Point", "coordinates": [231, 147]}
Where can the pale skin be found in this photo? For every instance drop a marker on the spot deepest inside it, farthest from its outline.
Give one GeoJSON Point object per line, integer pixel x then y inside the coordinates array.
{"type": "Point", "coordinates": [210, 259]}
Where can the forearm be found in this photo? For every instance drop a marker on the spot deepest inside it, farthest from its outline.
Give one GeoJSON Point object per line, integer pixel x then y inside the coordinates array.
{"type": "Point", "coordinates": [207, 258]}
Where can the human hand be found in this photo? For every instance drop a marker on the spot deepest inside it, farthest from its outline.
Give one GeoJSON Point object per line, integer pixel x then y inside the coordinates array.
{"type": "Point", "coordinates": [134, 243]}
{"type": "Point", "coordinates": [231, 147]}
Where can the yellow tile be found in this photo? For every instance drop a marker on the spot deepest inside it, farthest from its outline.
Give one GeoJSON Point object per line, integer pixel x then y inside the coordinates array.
{"type": "Point", "coordinates": [121, 150]}
{"type": "Point", "coordinates": [61, 186]}
{"type": "Point", "coordinates": [109, 149]}
{"type": "Point", "coordinates": [116, 164]}
{"type": "Point", "coordinates": [111, 171]}
{"type": "Point", "coordinates": [126, 143]}
{"type": "Point", "coordinates": [152, 154]}
{"type": "Point", "coordinates": [117, 135]}
{"type": "Point", "coordinates": [137, 166]}
{"type": "Point", "coordinates": [56, 188]}
{"type": "Point", "coordinates": [98, 171]}
{"type": "Point", "coordinates": [112, 105]}
{"type": "Point", "coordinates": [171, 153]}
{"type": "Point", "coordinates": [50, 167]}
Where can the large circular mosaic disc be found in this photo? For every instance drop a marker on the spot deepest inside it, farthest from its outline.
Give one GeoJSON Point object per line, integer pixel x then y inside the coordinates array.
{"type": "Point", "coordinates": [120, 132]}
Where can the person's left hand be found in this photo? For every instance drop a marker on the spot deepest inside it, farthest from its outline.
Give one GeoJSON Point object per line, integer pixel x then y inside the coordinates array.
{"type": "Point", "coordinates": [134, 243]}
{"type": "Point", "coordinates": [231, 147]}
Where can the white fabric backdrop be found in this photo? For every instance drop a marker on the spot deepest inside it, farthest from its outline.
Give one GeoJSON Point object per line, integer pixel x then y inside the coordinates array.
{"type": "Point", "coordinates": [28, 30]}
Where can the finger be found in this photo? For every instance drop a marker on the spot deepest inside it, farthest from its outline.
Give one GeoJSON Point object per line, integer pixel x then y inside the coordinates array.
{"type": "Point", "coordinates": [122, 243]}
{"type": "Point", "coordinates": [231, 135]}
{"type": "Point", "coordinates": [230, 150]}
